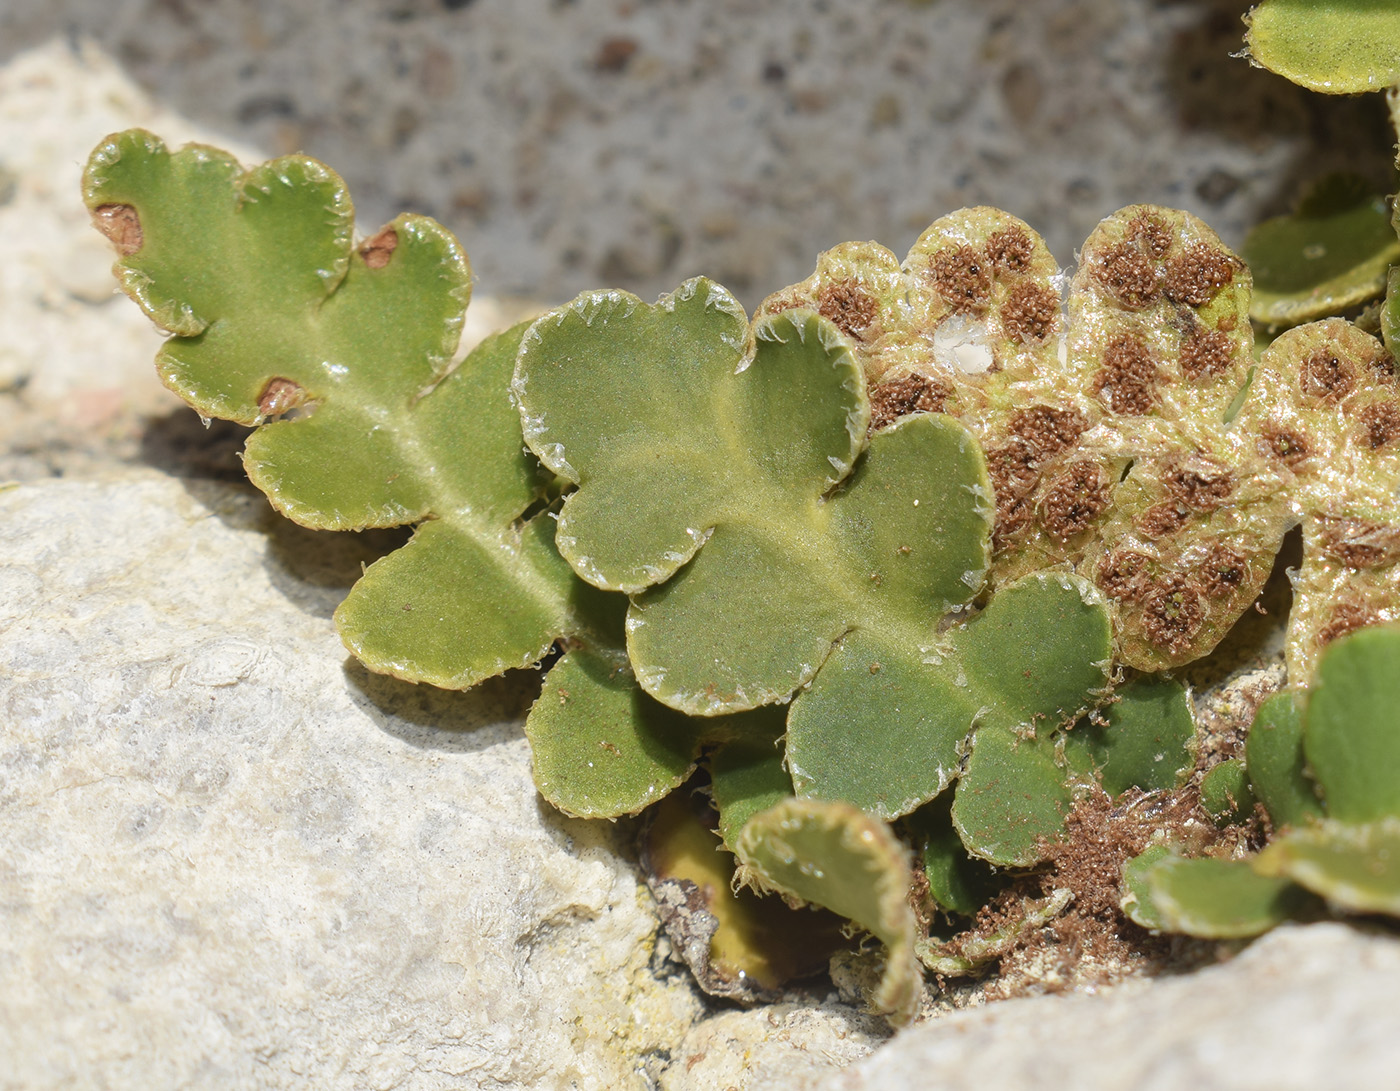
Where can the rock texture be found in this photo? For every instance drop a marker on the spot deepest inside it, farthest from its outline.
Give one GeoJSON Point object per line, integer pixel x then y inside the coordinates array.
{"type": "Point", "coordinates": [1304, 1007]}
{"type": "Point", "coordinates": [579, 145]}
{"type": "Point", "coordinates": [774, 1047]}
{"type": "Point", "coordinates": [229, 859]}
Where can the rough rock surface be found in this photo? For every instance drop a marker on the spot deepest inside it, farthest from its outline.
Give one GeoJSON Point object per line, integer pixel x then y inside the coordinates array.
{"type": "Point", "coordinates": [229, 859]}
{"type": "Point", "coordinates": [1304, 1007]}
{"type": "Point", "coordinates": [577, 145]}
{"type": "Point", "coordinates": [778, 1046]}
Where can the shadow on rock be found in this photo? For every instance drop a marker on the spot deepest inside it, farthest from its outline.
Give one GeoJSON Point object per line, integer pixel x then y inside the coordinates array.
{"type": "Point", "coordinates": [580, 836]}
{"type": "Point", "coordinates": [180, 444]}
{"type": "Point", "coordinates": [1216, 90]}
{"type": "Point", "coordinates": [456, 722]}
{"type": "Point", "coordinates": [315, 569]}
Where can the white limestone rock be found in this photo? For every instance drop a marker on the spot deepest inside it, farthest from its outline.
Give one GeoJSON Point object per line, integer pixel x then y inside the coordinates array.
{"type": "Point", "coordinates": [230, 859]}
{"type": "Point", "coordinates": [776, 1046]}
{"type": "Point", "coordinates": [1306, 1006]}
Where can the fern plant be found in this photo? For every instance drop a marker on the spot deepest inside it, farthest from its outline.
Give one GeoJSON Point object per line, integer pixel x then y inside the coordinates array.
{"type": "Point", "coordinates": [897, 560]}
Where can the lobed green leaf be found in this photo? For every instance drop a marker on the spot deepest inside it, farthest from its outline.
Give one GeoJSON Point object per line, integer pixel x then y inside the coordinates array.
{"type": "Point", "coordinates": [839, 857]}
{"type": "Point", "coordinates": [1225, 794]}
{"type": "Point", "coordinates": [1218, 899]}
{"type": "Point", "coordinates": [1032, 660]}
{"type": "Point", "coordinates": [1351, 737]}
{"type": "Point", "coordinates": [958, 881]}
{"type": "Point", "coordinates": [1145, 739]}
{"type": "Point", "coordinates": [1273, 755]}
{"type": "Point", "coordinates": [747, 774]}
{"type": "Point", "coordinates": [1354, 866]}
{"type": "Point", "coordinates": [1339, 46]}
{"type": "Point", "coordinates": [274, 311]}
{"type": "Point", "coordinates": [1333, 253]}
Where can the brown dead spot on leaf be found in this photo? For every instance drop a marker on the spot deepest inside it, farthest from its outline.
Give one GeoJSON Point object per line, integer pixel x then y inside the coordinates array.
{"type": "Point", "coordinates": [1075, 500]}
{"type": "Point", "coordinates": [1205, 353]}
{"type": "Point", "coordinates": [1010, 250]}
{"type": "Point", "coordinates": [614, 54]}
{"type": "Point", "coordinates": [849, 308]}
{"type": "Point", "coordinates": [1223, 571]}
{"type": "Point", "coordinates": [1347, 618]}
{"type": "Point", "coordinates": [1123, 574]}
{"type": "Point", "coordinates": [1380, 424]}
{"type": "Point", "coordinates": [1195, 277]}
{"type": "Point", "coordinates": [1160, 520]}
{"type": "Point", "coordinates": [1172, 614]}
{"type": "Point", "coordinates": [378, 249]}
{"type": "Point", "coordinates": [1048, 430]}
{"type": "Point", "coordinates": [1127, 379]}
{"type": "Point", "coordinates": [1200, 489]}
{"type": "Point", "coordinates": [1326, 376]}
{"type": "Point", "coordinates": [1128, 275]}
{"type": "Point", "coordinates": [960, 277]}
{"type": "Point", "coordinates": [280, 396]}
{"type": "Point", "coordinates": [122, 225]}
{"type": "Point", "coordinates": [1150, 234]}
{"type": "Point", "coordinates": [911, 393]}
{"type": "Point", "coordinates": [1360, 543]}
{"type": "Point", "coordinates": [1029, 313]}
{"type": "Point", "coordinates": [1288, 446]}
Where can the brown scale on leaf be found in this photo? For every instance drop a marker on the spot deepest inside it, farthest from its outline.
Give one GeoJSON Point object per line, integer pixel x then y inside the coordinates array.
{"type": "Point", "coordinates": [1128, 275]}
{"type": "Point", "coordinates": [1013, 516]}
{"type": "Point", "coordinates": [1074, 501]}
{"type": "Point", "coordinates": [1223, 570]}
{"type": "Point", "coordinates": [1326, 376]}
{"type": "Point", "coordinates": [1029, 313]}
{"type": "Point", "coordinates": [122, 225]}
{"type": "Point", "coordinates": [378, 249]}
{"type": "Point", "coordinates": [1048, 430]}
{"type": "Point", "coordinates": [849, 308]}
{"type": "Point", "coordinates": [911, 393]}
{"type": "Point", "coordinates": [1288, 446]}
{"type": "Point", "coordinates": [1123, 574]}
{"type": "Point", "coordinates": [1010, 250]}
{"type": "Point", "coordinates": [280, 396]}
{"type": "Point", "coordinates": [1205, 354]}
{"type": "Point", "coordinates": [1172, 614]}
{"type": "Point", "coordinates": [1361, 543]}
{"type": "Point", "coordinates": [1380, 424]}
{"type": "Point", "coordinates": [1014, 466]}
{"type": "Point", "coordinates": [1150, 234]}
{"type": "Point", "coordinates": [1126, 381]}
{"type": "Point", "coordinates": [1200, 490]}
{"type": "Point", "coordinates": [1196, 276]}
{"type": "Point", "coordinates": [1382, 364]}
{"type": "Point", "coordinates": [1161, 520]}
{"type": "Point", "coordinates": [960, 277]}
{"type": "Point", "coordinates": [1347, 618]}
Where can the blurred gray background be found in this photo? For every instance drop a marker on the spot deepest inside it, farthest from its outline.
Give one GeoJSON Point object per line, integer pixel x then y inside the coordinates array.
{"type": "Point", "coordinates": [633, 143]}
